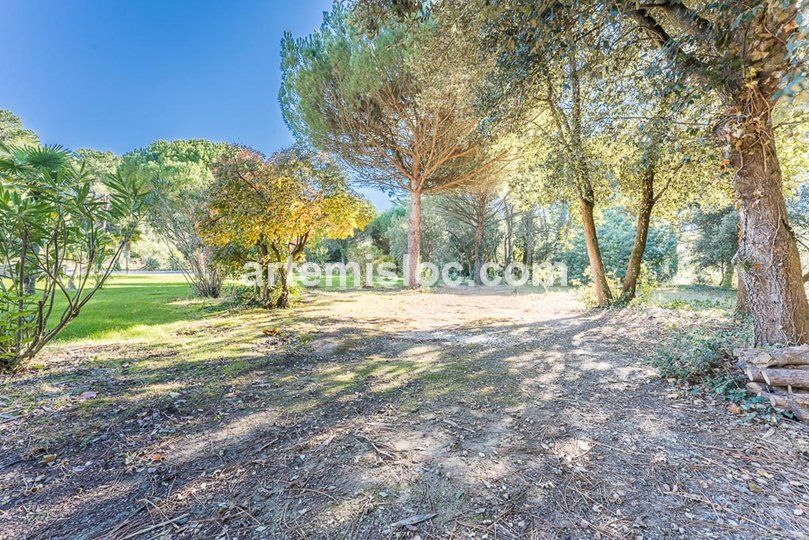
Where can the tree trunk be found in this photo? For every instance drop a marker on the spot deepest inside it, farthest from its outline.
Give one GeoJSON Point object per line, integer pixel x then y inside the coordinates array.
{"type": "Point", "coordinates": [265, 275]}
{"type": "Point", "coordinates": [597, 272]}
{"type": "Point", "coordinates": [127, 253]}
{"type": "Point", "coordinates": [413, 242]}
{"type": "Point", "coordinates": [283, 297]}
{"type": "Point", "coordinates": [630, 285]}
{"type": "Point", "coordinates": [741, 297]}
{"type": "Point", "coordinates": [727, 275]}
{"type": "Point", "coordinates": [585, 189]}
{"type": "Point", "coordinates": [768, 259]}
{"type": "Point", "coordinates": [529, 224]}
{"type": "Point", "coordinates": [479, 235]}
{"type": "Point", "coordinates": [509, 236]}
{"type": "Point", "coordinates": [799, 378]}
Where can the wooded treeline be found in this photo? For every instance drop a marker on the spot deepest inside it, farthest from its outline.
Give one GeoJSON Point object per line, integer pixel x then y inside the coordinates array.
{"type": "Point", "coordinates": [656, 107]}
{"type": "Point", "coordinates": [598, 134]}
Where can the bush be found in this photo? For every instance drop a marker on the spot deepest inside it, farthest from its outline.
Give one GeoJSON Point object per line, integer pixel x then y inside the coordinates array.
{"type": "Point", "coordinates": [704, 358]}
{"type": "Point", "coordinates": [150, 264]}
{"type": "Point", "coordinates": [50, 218]}
{"type": "Point", "coordinates": [248, 296]}
{"type": "Point", "coordinates": [588, 293]}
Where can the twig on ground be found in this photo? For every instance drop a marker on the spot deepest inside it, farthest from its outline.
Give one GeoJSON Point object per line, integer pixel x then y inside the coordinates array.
{"type": "Point", "coordinates": [375, 447]}
{"type": "Point", "coordinates": [155, 526]}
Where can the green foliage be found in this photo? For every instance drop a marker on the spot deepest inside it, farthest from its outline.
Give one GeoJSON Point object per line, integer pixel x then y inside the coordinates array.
{"type": "Point", "coordinates": [377, 230]}
{"type": "Point", "coordinates": [717, 240]}
{"type": "Point", "coordinates": [180, 176]}
{"type": "Point", "coordinates": [616, 234]}
{"type": "Point", "coordinates": [58, 238]}
{"type": "Point", "coordinates": [390, 104]}
{"type": "Point", "coordinates": [703, 358]}
{"type": "Point", "coordinates": [13, 133]}
{"type": "Point", "coordinates": [588, 296]}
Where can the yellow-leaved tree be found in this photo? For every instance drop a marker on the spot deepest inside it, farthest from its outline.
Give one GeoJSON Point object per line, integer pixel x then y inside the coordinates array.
{"type": "Point", "coordinates": [278, 205]}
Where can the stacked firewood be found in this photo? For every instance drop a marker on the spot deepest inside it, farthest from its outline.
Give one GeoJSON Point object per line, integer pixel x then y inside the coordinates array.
{"type": "Point", "coordinates": [780, 375]}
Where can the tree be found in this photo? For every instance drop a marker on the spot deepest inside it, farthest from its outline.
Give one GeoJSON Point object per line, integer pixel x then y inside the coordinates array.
{"type": "Point", "coordinates": [475, 208]}
{"type": "Point", "coordinates": [279, 205]}
{"type": "Point", "coordinates": [101, 164]}
{"type": "Point", "coordinates": [750, 55]}
{"type": "Point", "coordinates": [378, 228]}
{"type": "Point", "coordinates": [53, 226]}
{"type": "Point", "coordinates": [390, 105]}
{"type": "Point", "coordinates": [618, 239]}
{"type": "Point", "coordinates": [665, 161]}
{"type": "Point", "coordinates": [436, 240]}
{"type": "Point", "coordinates": [551, 86]}
{"type": "Point", "coordinates": [181, 179]}
{"type": "Point", "coordinates": [13, 133]}
{"type": "Point", "coordinates": [717, 241]}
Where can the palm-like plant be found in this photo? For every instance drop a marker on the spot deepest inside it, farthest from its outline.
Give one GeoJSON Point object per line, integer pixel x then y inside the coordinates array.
{"type": "Point", "coordinates": [57, 238]}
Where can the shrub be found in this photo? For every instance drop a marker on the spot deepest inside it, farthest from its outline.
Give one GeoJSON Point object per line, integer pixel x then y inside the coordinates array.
{"type": "Point", "coordinates": [588, 293]}
{"type": "Point", "coordinates": [58, 238]}
{"type": "Point", "coordinates": [248, 296]}
{"type": "Point", "coordinates": [151, 264]}
{"type": "Point", "coordinates": [703, 358]}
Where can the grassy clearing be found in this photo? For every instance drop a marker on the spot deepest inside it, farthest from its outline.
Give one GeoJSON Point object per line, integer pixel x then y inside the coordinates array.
{"type": "Point", "coordinates": [693, 297]}
{"type": "Point", "coordinates": [138, 306]}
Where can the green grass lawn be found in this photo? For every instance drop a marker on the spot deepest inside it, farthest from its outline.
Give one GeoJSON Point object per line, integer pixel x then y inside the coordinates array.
{"type": "Point", "coordinates": [129, 306]}
{"type": "Point", "coordinates": [136, 305]}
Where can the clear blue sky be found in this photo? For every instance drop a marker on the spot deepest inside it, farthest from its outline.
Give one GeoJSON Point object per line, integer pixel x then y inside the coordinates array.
{"type": "Point", "coordinates": [116, 75]}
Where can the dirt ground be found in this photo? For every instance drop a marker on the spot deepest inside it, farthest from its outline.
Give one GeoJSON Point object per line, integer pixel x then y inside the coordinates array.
{"type": "Point", "coordinates": [372, 414]}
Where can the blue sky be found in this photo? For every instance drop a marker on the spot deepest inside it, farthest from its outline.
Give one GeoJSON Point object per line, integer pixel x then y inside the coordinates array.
{"type": "Point", "coordinates": [117, 75]}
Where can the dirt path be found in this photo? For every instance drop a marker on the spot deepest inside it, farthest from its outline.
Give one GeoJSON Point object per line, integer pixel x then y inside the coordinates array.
{"type": "Point", "coordinates": [395, 415]}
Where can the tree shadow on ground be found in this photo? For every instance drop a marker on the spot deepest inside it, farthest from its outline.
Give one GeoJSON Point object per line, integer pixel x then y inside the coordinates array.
{"type": "Point", "coordinates": [338, 430]}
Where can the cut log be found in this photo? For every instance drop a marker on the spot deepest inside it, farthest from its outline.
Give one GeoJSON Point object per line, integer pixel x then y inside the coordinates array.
{"type": "Point", "coordinates": [757, 389]}
{"type": "Point", "coordinates": [798, 404]}
{"type": "Point", "coordinates": [780, 397]}
{"type": "Point", "coordinates": [785, 356]}
{"type": "Point", "coordinates": [798, 378]}
{"type": "Point", "coordinates": [789, 401]}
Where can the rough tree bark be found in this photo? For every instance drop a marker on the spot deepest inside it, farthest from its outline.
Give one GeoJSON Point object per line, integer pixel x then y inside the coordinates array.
{"type": "Point", "coordinates": [413, 242]}
{"type": "Point", "coordinates": [283, 296]}
{"type": "Point", "coordinates": [647, 202]}
{"type": "Point", "coordinates": [741, 297]}
{"type": "Point", "coordinates": [480, 228]}
{"type": "Point", "coordinates": [597, 271]}
{"type": "Point", "coordinates": [768, 259]}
